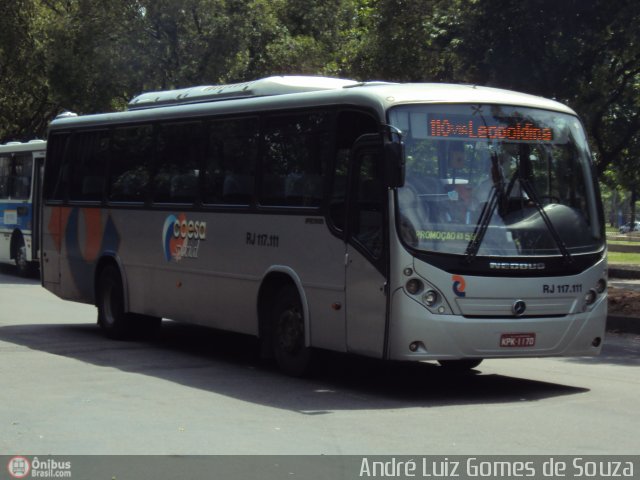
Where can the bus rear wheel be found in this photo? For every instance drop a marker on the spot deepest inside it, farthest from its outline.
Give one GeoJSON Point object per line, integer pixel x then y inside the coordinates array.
{"type": "Point", "coordinates": [292, 355]}
{"type": "Point", "coordinates": [23, 266]}
{"type": "Point", "coordinates": [463, 365]}
{"type": "Point", "coordinates": [110, 302]}
{"type": "Point", "coordinates": [114, 321]}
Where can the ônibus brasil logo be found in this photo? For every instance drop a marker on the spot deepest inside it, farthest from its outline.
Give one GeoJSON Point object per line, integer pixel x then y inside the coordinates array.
{"type": "Point", "coordinates": [19, 467]}
{"type": "Point", "coordinates": [181, 237]}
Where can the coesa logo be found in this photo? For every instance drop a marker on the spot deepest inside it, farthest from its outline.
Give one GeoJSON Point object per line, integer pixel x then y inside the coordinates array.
{"type": "Point", "coordinates": [459, 285]}
{"type": "Point", "coordinates": [181, 237]}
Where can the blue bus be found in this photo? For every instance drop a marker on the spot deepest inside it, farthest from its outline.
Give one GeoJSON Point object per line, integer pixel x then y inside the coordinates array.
{"type": "Point", "coordinates": [20, 168]}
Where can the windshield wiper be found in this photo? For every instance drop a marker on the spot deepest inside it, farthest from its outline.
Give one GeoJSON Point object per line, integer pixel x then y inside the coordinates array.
{"type": "Point", "coordinates": [531, 192]}
{"type": "Point", "coordinates": [497, 196]}
{"type": "Point", "coordinates": [483, 224]}
{"type": "Point", "coordinates": [498, 199]}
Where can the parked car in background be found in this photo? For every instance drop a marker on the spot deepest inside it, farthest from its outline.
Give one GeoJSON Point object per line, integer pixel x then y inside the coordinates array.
{"type": "Point", "coordinates": [630, 227]}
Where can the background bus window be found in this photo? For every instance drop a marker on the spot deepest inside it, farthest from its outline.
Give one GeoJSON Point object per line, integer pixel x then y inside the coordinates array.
{"type": "Point", "coordinates": [296, 149]}
{"type": "Point", "coordinates": [231, 162]}
{"type": "Point", "coordinates": [88, 153]}
{"type": "Point", "coordinates": [15, 176]}
{"type": "Point", "coordinates": [179, 150]}
{"type": "Point", "coordinates": [5, 174]}
{"type": "Point", "coordinates": [21, 179]}
{"type": "Point", "coordinates": [131, 164]}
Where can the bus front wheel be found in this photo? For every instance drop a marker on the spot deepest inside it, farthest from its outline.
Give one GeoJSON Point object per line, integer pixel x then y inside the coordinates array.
{"type": "Point", "coordinates": [291, 353]}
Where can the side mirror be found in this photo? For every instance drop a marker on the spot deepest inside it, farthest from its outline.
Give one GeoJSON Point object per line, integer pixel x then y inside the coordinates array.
{"type": "Point", "coordinates": [394, 160]}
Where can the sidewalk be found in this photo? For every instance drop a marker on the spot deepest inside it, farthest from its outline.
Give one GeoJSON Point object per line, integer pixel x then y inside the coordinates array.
{"type": "Point", "coordinates": [626, 277]}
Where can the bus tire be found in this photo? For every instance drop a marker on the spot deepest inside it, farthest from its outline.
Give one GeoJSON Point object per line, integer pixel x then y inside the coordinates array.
{"type": "Point", "coordinates": [112, 319]}
{"type": "Point", "coordinates": [292, 355]}
{"type": "Point", "coordinates": [463, 365]}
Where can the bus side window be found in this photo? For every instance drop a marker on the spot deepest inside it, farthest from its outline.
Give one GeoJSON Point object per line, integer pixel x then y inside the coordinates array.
{"type": "Point", "coordinates": [179, 149]}
{"type": "Point", "coordinates": [88, 154]}
{"type": "Point", "coordinates": [231, 162]}
{"type": "Point", "coordinates": [5, 171]}
{"type": "Point", "coordinates": [20, 182]}
{"type": "Point", "coordinates": [56, 167]}
{"type": "Point", "coordinates": [368, 217]}
{"type": "Point", "coordinates": [350, 126]}
{"type": "Point", "coordinates": [296, 149]}
{"type": "Point", "coordinates": [338, 199]}
{"type": "Point", "coordinates": [130, 167]}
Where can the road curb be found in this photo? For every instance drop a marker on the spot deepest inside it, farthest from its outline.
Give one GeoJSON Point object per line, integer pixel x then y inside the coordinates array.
{"type": "Point", "coordinates": [623, 272]}
{"type": "Point", "coordinates": [621, 324]}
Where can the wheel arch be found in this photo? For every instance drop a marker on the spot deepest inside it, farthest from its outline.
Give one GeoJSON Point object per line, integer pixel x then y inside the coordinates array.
{"type": "Point", "coordinates": [274, 279]}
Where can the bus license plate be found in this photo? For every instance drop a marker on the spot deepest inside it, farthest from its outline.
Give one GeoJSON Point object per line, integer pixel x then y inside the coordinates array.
{"type": "Point", "coordinates": [508, 340]}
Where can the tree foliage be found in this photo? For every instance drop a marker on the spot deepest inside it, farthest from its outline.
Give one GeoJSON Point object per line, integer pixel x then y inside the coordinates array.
{"type": "Point", "coordinates": [24, 89]}
{"type": "Point", "coordinates": [92, 55]}
{"type": "Point", "coordinates": [585, 54]}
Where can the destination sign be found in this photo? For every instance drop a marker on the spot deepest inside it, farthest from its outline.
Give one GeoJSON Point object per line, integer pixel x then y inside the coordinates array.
{"type": "Point", "coordinates": [465, 127]}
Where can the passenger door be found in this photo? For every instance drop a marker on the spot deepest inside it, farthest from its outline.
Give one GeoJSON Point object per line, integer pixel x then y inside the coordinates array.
{"type": "Point", "coordinates": [367, 250]}
{"type": "Point", "coordinates": [36, 198]}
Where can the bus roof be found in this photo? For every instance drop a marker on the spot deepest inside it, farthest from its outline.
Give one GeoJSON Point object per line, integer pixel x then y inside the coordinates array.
{"type": "Point", "coordinates": [31, 145]}
{"type": "Point", "coordinates": [280, 93]}
{"type": "Point", "coordinates": [256, 88]}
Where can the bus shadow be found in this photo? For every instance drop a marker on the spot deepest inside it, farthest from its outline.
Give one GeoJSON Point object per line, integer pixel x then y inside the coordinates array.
{"type": "Point", "coordinates": [618, 349]}
{"type": "Point", "coordinates": [9, 276]}
{"type": "Point", "coordinates": [227, 364]}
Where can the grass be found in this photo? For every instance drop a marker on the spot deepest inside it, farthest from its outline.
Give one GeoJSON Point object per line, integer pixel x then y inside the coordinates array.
{"type": "Point", "coordinates": [632, 243]}
{"type": "Point", "coordinates": [624, 258]}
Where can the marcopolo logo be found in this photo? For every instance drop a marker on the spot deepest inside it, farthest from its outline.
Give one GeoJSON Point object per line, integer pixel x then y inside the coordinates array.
{"type": "Point", "coordinates": [181, 237]}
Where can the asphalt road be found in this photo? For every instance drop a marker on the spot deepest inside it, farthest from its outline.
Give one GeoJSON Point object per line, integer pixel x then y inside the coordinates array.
{"type": "Point", "coordinates": [68, 390]}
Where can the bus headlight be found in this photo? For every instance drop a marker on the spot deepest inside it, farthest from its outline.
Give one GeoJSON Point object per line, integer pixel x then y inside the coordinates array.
{"type": "Point", "coordinates": [430, 298]}
{"type": "Point", "coordinates": [601, 286]}
{"type": "Point", "coordinates": [414, 286]}
{"type": "Point", "coordinates": [590, 296]}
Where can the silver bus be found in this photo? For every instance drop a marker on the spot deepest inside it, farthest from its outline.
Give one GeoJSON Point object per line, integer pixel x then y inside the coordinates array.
{"type": "Point", "coordinates": [20, 176]}
{"type": "Point", "coordinates": [410, 222]}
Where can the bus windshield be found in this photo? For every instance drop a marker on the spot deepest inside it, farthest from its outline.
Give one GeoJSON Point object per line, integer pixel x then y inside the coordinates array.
{"type": "Point", "coordinates": [494, 180]}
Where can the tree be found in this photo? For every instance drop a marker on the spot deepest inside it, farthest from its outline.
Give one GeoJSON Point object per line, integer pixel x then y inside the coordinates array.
{"type": "Point", "coordinates": [24, 90]}
{"type": "Point", "coordinates": [409, 40]}
{"type": "Point", "coordinates": [307, 38]}
{"type": "Point", "coordinates": [94, 54]}
{"type": "Point", "coordinates": [585, 54]}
